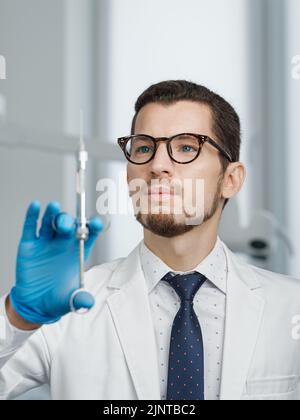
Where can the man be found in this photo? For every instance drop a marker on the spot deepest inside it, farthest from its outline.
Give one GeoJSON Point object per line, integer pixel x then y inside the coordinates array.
{"type": "Point", "coordinates": [181, 317]}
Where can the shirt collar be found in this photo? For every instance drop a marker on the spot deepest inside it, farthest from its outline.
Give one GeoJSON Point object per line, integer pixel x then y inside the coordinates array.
{"type": "Point", "coordinates": [213, 267]}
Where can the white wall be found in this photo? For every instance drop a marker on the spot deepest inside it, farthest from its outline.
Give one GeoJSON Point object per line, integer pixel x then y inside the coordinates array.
{"type": "Point", "coordinates": [30, 40]}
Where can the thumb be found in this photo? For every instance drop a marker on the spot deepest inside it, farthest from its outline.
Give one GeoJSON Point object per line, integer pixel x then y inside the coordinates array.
{"type": "Point", "coordinates": [82, 300]}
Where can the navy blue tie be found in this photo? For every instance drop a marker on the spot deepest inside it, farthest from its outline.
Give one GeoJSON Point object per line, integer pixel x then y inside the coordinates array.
{"type": "Point", "coordinates": [186, 359]}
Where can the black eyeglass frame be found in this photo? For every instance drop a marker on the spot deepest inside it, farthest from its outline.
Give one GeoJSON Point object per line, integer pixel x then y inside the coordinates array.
{"type": "Point", "coordinates": [202, 139]}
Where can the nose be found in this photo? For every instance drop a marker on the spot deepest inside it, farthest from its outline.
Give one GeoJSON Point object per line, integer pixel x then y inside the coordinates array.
{"type": "Point", "coordinates": [161, 163]}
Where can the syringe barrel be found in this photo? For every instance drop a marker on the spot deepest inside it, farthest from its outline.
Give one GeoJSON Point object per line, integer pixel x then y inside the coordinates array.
{"type": "Point", "coordinates": [82, 230]}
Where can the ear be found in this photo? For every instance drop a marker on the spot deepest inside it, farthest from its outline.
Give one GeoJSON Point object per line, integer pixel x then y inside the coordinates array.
{"type": "Point", "coordinates": [233, 179]}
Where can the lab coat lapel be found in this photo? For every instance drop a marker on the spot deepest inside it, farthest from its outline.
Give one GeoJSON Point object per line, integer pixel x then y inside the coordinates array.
{"type": "Point", "coordinates": [130, 310]}
{"type": "Point", "coordinates": [244, 312]}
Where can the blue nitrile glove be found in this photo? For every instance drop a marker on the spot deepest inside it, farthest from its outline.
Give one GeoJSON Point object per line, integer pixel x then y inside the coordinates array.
{"type": "Point", "coordinates": [47, 271]}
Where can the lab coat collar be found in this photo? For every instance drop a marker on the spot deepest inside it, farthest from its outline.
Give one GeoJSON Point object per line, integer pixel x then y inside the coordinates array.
{"type": "Point", "coordinates": [130, 310]}
{"type": "Point", "coordinates": [244, 314]}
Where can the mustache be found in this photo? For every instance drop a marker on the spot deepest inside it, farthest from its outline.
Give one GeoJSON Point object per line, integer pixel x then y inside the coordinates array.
{"type": "Point", "coordinates": [163, 185]}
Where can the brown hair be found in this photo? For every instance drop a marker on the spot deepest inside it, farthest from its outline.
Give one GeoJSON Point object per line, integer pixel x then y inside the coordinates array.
{"type": "Point", "coordinates": [225, 125]}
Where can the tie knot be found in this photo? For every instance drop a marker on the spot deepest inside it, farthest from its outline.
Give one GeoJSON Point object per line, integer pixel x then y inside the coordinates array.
{"type": "Point", "coordinates": [186, 285]}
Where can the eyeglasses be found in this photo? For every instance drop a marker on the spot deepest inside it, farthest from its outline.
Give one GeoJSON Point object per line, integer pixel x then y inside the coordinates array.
{"type": "Point", "coordinates": [182, 148]}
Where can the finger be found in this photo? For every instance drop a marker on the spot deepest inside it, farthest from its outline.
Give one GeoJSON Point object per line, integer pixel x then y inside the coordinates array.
{"type": "Point", "coordinates": [31, 220]}
{"type": "Point", "coordinates": [65, 225]}
{"type": "Point", "coordinates": [83, 300]}
{"type": "Point", "coordinates": [95, 228]}
{"type": "Point", "coordinates": [47, 230]}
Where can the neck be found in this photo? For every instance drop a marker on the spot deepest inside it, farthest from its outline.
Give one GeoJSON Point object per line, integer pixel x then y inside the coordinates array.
{"type": "Point", "coordinates": [184, 252]}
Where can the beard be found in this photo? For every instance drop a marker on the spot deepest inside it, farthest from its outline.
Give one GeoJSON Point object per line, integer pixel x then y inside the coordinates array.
{"type": "Point", "coordinates": [168, 226]}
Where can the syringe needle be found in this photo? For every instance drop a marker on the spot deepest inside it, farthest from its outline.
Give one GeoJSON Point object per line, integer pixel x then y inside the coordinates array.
{"type": "Point", "coordinates": [81, 136]}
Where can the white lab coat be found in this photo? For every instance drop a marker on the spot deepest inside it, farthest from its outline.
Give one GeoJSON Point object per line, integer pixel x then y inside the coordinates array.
{"type": "Point", "coordinates": [111, 353]}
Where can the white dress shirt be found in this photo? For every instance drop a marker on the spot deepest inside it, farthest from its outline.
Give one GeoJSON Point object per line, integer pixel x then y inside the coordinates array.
{"type": "Point", "coordinates": [209, 306]}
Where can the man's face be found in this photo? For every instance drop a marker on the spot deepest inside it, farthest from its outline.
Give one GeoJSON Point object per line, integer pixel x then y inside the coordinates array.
{"type": "Point", "coordinates": [167, 215]}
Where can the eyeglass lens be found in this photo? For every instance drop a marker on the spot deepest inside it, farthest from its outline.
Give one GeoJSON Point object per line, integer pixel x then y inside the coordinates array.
{"type": "Point", "coordinates": [183, 148]}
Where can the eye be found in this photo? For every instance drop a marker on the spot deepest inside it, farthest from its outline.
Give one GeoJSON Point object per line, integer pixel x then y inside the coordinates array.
{"type": "Point", "coordinates": [187, 148]}
{"type": "Point", "coordinates": [143, 149]}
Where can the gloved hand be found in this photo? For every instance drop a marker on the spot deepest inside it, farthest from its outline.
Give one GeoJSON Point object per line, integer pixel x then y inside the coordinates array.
{"type": "Point", "coordinates": [47, 271]}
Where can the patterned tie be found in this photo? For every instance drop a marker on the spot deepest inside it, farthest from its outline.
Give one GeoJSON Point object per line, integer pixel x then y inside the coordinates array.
{"type": "Point", "coordinates": [186, 360]}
